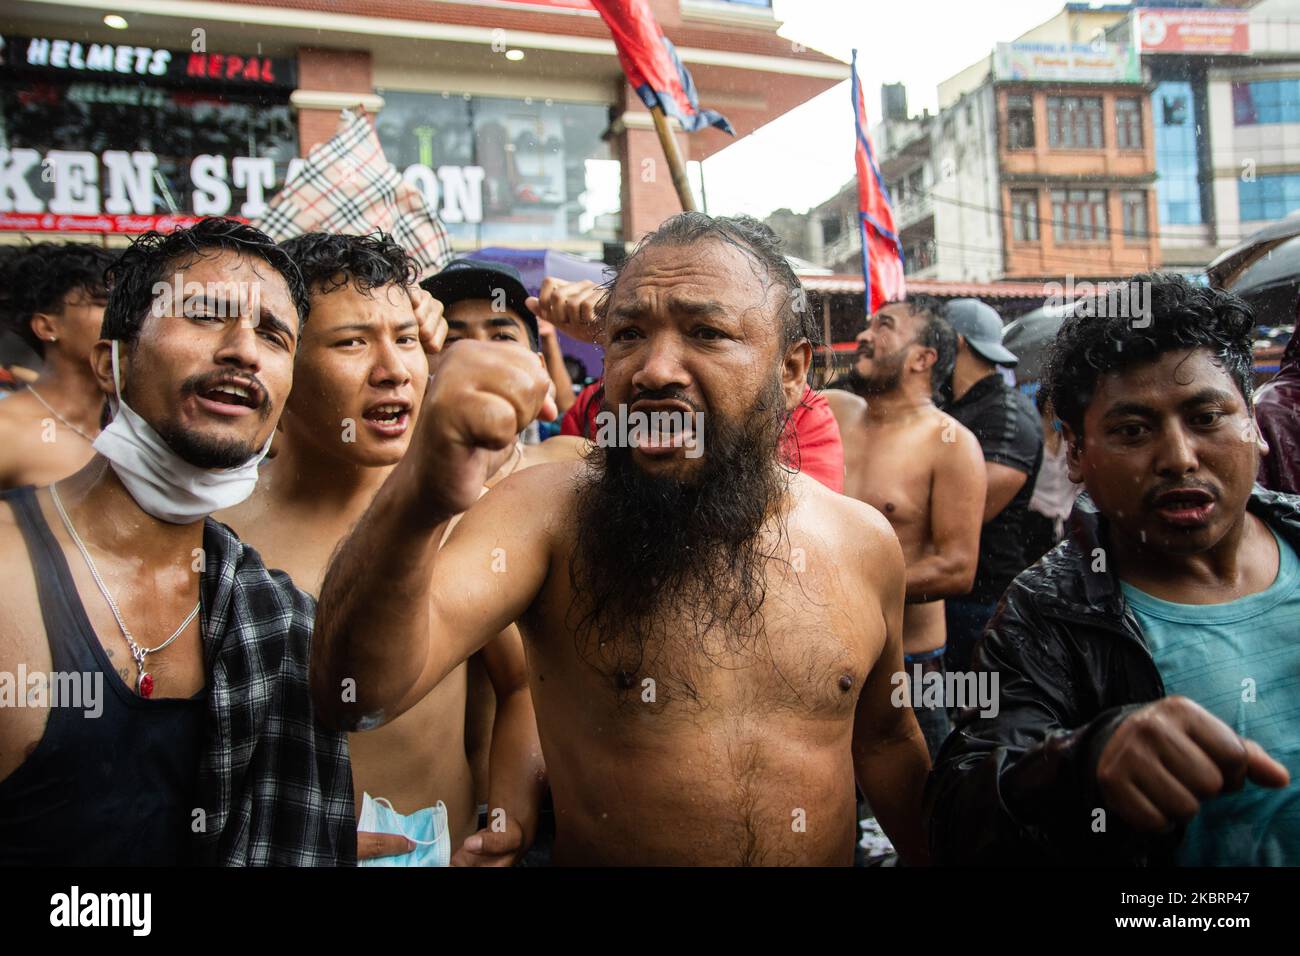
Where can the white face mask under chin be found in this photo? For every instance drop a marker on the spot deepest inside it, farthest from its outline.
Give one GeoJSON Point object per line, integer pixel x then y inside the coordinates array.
{"type": "Point", "coordinates": [162, 483]}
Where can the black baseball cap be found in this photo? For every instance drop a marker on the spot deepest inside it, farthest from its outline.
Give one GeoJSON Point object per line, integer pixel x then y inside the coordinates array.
{"type": "Point", "coordinates": [481, 279]}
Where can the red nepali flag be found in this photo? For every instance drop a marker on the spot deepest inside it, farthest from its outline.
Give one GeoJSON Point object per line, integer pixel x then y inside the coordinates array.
{"type": "Point", "coordinates": [882, 253]}
{"type": "Point", "coordinates": [653, 67]}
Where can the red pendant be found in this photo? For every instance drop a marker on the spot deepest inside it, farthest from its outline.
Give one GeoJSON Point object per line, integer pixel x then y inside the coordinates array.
{"type": "Point", "coordinates": [145, 684]}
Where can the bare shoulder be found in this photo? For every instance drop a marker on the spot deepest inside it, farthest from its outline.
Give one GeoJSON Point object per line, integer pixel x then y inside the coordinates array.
{"type": "Point", "coordinates": [844, 405]}
{"type": "Point", "coordinates": [561, 448]}
{"type": "Point", "coordinates": [15, 566]}
{"type": "Point", "coordinates": [955, 438]}
{"type": "Point", "coordinates": [537, 494]}
{"type": "Point", "coordinates": [16, 413]}
{"type": "Point", "coordinates": [861, 538]}
{"type": "Point", "coordinates": [20, 406]}
{"type": "Point", "coordinates": [10, 535]}
{"type": "Point", "coordinates": [245, 515]}
{"type": "Point", "coordinates": [840, 518]}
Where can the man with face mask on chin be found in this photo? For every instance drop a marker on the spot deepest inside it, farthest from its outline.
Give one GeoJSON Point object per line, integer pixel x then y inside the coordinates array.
{"type": "Point", "coordinates": [711, 638]}
{"type": "Point", "coordinates": [191, 738]}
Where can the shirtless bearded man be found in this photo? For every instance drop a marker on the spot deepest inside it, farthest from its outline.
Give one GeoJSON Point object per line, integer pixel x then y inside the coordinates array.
{"type": "Point", "coordinates": [920, 468]}
{"type": "Point", "coordinates": [710, 639]}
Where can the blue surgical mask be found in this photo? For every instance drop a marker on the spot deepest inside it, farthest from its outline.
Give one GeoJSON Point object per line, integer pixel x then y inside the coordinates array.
{"type": "Point", "coordinates": [426, 828]}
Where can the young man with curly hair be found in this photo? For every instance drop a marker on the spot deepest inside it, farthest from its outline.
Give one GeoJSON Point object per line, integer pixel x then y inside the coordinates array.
{"type": "Point", "coordinates": [1149, 668]}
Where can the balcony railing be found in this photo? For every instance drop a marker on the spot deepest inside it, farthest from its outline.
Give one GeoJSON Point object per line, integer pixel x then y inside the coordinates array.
{"type": "Point", "coordinates": [913, 209]}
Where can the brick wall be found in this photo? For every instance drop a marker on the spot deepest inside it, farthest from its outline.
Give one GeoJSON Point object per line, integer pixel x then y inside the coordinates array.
{"type": "Point", "coordinates": [334, 71]}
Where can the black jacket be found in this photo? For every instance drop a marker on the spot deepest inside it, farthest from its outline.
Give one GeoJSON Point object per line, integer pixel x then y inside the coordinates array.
{"type": "Point", "coordinates": [1020, 787]}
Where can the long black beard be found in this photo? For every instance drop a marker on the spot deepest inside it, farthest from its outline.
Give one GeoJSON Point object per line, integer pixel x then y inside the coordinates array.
{"type": "Point", "coordinates": [656, 554]}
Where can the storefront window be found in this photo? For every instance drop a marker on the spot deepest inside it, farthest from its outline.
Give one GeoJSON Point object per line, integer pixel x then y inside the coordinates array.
{"type": "Point", "coordinates": [112, 152]}
{"type": "Point", "coordinates": [508, 171]}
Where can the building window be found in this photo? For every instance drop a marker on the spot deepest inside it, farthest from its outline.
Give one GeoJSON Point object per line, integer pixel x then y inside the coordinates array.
{"type": "Point", "coordinates": [1020, 122]}
{"type": "Point", "coordinates": [1266, 101]}
{"type": "Point", "coordinates": [1134, 204]}
{"type": "Point", "coordinates": [1079, 215]}
{"type": "Point", "coordinates": [1178, 160]}
{"type": "Point", "coordinates": [1128, 123]}
{"type": "Point", "coordinates": [1024, 215]}
{"type": "Point", "coordinates": [918, 256]}
{"type": "Point", "coordinates": [1268, 197]}
{"type": "Point", "coordinates": [1173, 104]}
{"type": "Point", "coordinates": [1074, 122]}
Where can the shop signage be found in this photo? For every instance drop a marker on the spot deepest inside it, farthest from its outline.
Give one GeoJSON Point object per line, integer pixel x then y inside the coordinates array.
{"type": "Point", "coordinates": [1193, 31]}
{"type": "Point", "coordinates": [114, 191]}
{"type": "Point", "coordinates": [77, 59]}
{"type": "Point", "coordinates": [1071, 63]}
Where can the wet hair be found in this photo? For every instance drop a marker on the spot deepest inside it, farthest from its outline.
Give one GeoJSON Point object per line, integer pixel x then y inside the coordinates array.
{"type": "Point", "coordinates": [937, 334]}
{"type": "Point", "coordinates": [759, 243]}
{"type": "Point", "coordinates": [37, 278]}
{"type": "Point", "coordinates": [1180, 316]}
{"type": "Point", "coordinates": [146, 262]}
{"type": "Point", "coordinates": [329, 261]}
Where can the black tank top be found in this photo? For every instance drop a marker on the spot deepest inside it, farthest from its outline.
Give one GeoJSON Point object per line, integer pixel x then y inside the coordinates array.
{"type": "Point", "coordinates": [113, 790]}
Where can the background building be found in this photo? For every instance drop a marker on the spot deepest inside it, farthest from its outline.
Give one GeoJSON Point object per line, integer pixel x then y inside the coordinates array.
{"type": "Point", "coordinates": [513, 117]}
{"type": "Point", "coordinates": [1107, 140]}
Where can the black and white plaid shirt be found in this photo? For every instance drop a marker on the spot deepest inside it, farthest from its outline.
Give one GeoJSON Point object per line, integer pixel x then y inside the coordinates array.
{"type": "Point", "coordinates": [275, 787]}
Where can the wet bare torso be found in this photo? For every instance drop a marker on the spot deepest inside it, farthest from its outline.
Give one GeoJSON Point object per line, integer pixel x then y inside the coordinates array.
{"type": "Point", "coordinates": [743, 758]}
{"type": "Point", "coordinates": [891, 467]}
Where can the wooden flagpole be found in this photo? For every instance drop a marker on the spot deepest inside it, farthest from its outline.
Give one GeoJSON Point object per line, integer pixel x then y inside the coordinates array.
{"type": "Point", "coordinates": [674, 157]}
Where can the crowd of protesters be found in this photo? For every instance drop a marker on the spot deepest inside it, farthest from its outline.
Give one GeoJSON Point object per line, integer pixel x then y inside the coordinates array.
{"type": "Point", "coordinates": [292, 580]}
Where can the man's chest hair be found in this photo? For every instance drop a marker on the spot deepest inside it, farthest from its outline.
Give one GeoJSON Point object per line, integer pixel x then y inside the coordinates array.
{"type": "Point", "coordinates": [801, 655]}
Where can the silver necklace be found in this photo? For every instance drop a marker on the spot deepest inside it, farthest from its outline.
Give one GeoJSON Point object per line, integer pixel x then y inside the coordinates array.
{"type": "Point", "coordinates": [53, 411]}
{"type": "Point", "coordinates": [144, 680]}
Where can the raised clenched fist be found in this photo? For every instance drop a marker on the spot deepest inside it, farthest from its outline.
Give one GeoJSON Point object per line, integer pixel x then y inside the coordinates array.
{"type": "Point", "coordinates": [477, 403]}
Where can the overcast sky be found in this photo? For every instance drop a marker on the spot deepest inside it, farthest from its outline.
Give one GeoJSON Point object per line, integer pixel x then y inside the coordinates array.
{"type": "Point", "coordinates": [802, 158]}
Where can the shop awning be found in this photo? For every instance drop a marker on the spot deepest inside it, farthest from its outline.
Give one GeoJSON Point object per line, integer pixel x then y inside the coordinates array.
{"type": "Point", "coordinates": [852, 284]}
